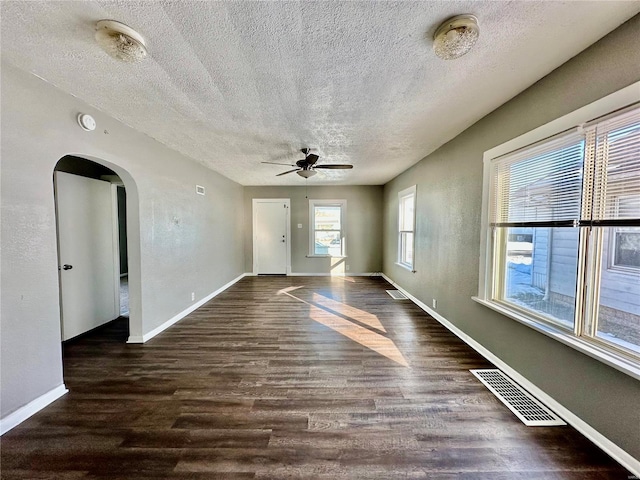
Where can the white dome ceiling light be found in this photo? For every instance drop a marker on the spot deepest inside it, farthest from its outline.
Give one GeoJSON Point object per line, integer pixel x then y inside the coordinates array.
{"type": "Point", "coordinates": [120, 41]}
{"type": "Point", "coordinates": [456, 36]}
{"type": "Point", "coordinates": [306, 173]}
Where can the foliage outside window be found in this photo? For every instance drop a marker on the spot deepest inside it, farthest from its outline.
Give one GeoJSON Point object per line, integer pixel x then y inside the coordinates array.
{"type": "Point", "coordinates": [564, 238]}
{"type": "Point", "coordinates": [406, 227]}
{"type": "Point", "coordinates": [327, 236]}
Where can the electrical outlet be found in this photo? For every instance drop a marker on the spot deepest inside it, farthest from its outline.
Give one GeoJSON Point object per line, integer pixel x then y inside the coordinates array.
{"type": "Point", "coordinates": [299, 225]}
{"type": "Point", "coordinates": [193, 296]}
{"type": "Point", "coordinates": [347, 267]}
{"type": "Point", "coordinates": [434, 303]}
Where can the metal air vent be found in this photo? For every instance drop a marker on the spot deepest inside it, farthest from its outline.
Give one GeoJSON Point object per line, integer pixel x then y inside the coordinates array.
{"type": "Point", "coordinates": [397, 294]}
{"type": "Point", "coordinates": [519, 401]}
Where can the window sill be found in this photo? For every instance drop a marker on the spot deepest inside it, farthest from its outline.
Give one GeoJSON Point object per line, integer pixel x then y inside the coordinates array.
{"type": "Point", "coordinates": [326, 256]}
{"type": "Point", "coordinates": [593, 350]}
{"type": "Point", "coordinates": [406, 267]}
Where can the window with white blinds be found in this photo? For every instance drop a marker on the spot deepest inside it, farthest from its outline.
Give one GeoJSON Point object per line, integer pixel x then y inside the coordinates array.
{"type": "Point", "coordinates": [563, 246]}
{"type": "Point", "coordinates": [541, 183]}
{"type": "Point", "coordinates": [616, 169]}
{"type": "Point", "coordinates": [574, 178]}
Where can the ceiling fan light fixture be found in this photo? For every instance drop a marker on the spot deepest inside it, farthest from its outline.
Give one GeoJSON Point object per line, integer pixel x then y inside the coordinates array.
{"type": "Point", "coordinates": [456, 36]}
{"type": "Point", "coordinates": [120, 41]}
{"type": "Point", "coordinates": [306, 173]}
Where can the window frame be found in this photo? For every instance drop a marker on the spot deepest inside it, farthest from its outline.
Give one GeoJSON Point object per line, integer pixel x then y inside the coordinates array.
{"type": "Point", "coordinates": [583, 337]}
{"type": "Point", "coordinates": [342, 203]}
{"type": "Point", "coordinates": [409, 192]}
{"type": "Point", "coordinates": [613, 238]}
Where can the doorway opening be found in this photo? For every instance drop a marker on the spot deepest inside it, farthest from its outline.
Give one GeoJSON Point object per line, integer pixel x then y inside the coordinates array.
{"type": "Point", "coordinates": [91, 220]}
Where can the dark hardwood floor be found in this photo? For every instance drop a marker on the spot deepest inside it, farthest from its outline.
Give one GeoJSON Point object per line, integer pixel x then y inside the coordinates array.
{"type": "Point", "coordinates": [289, 377]}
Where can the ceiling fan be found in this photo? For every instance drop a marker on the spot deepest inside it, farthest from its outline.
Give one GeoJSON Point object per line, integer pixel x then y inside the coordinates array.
{"type": "Point", "coordinates": [307, 166]}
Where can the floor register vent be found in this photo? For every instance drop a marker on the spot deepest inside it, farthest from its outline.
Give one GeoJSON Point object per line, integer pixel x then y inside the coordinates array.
{"type": "Point", "coordinates": [519, 401]}
{"type": "Point", "coordinates": [397, 294]}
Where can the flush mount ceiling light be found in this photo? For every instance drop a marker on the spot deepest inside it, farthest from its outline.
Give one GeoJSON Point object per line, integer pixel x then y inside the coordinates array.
{"type": "Point", "coordinates": [456, 36]}
{"type": "Point", "coordinates": [306, 173]}
{"type": "Point", "coordinates": [120, 41]}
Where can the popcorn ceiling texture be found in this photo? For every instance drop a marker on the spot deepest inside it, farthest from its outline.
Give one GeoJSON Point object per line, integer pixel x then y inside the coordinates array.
{"type": "Point", "coordinates": [231, 84]}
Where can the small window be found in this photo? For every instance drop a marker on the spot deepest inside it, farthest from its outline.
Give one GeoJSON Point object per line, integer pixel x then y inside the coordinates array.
{"type": "Point", "coordinates": [625, 241]}
{"type": "Point", "coordinates": [626, 251]}
{"type": "Point", "coordinates": [406, 227]}
{"type": "Point", "coordinates": [327, 237]}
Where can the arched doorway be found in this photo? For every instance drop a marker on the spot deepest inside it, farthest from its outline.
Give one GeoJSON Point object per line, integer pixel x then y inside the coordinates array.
{"type": "Point", "coordinates": [98, 246]}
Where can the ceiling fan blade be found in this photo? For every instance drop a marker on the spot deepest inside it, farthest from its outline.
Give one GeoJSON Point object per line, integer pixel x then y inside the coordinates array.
{"type": "Point", "coordinates": [274, 163]}
{"type": "Point", "coordinates": [311, 159]}
{"type": "Point", "coordinates": [335, 167]}
{"type": "Point", "coordinates": [288, 171]}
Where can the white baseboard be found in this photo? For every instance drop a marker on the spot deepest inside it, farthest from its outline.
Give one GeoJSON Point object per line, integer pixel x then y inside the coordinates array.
{"type": "Point", "coordinates": [622, 457]}
{"type": "Point", "coordinates": [175, 319]}
{"type": "Point", "coordinates": [14, 419]}
{"type": "Point", "coordinates": [347, 274]}
{"type": "Point", "coordinates": [325, 274]}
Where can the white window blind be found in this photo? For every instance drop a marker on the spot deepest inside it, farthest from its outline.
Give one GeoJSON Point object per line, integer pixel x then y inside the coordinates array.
{"type": "Point", "coordinates": [616, 169]}
{"type": "Point", "coordinates": [540, 184]}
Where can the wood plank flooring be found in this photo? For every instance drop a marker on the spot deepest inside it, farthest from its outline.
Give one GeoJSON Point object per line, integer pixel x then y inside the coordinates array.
{"type": "Point", "coordinates": [289, 377]}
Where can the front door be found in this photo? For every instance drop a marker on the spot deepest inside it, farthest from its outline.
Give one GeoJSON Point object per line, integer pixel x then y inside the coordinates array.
{"type": "Point", "coordinates": [270, 236]}
{"type": "Point", "coordinates": [87, 260]}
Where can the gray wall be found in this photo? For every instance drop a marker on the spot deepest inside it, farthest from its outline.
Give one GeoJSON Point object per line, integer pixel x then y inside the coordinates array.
{"type": "Point", "coordinates": [180, 242]}
{"type": "Point", "coordinates": [363, 226]}
{"type": "Point", "coordinates": [449, 198]}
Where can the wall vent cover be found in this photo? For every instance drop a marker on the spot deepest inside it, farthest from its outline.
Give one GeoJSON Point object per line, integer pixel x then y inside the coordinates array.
{"type": "Point", "coordinates": [397, 294]}
{"type": "Point", "coordinates": [526, 407]}
{"type": "Point", "coordinates": [199, 189]}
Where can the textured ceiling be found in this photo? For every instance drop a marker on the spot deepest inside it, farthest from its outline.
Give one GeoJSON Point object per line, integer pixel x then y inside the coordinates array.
{"type": "Point", "coordinates": [231, 84]}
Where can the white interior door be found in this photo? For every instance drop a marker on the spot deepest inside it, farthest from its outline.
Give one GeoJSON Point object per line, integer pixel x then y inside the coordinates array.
{"type": "Point", "coordinates": [270, 235]}
{"type": "Point", "coordinates": [87, 253]}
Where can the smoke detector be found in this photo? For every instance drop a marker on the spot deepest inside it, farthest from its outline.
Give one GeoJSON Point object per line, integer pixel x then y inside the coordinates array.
{"type": "Point", "coordinates": [86, 122]}
{"type": "Point", "coordinates": [456, 36]}
{"type": "Point", "coordinates": [120, 41]}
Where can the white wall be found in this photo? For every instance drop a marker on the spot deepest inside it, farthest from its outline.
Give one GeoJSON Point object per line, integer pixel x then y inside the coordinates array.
{"type": "Point", "coordinates": [179, 242]}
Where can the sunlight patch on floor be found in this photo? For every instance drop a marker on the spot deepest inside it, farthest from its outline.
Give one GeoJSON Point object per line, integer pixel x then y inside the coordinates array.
{"type": "Point", "coordinates": [320, 310]}
{"type": "Point", "coordinates": [348, 311]}
{"type": "Point", "coordinates": [365, 337]}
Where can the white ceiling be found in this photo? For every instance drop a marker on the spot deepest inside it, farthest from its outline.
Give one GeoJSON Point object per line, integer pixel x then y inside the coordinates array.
{"type": "Point", "coordinates": [231, 84]}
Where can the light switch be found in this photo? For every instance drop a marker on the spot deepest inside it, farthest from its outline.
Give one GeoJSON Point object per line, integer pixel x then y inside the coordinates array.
{"type": "Point", "coordinates": [299, 225]}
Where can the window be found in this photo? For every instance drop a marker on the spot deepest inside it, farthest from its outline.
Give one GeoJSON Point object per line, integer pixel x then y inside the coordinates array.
{"type": "Point", "coordinates": [406, 227]}
{"type": "Point", "coordinates": [624, 251]}
{"type": "Point", "coordinates": [563, 236]}
{"type": "Point", "coordinates": [626, 248]}
{"type": "Point", "coordinates": [327, 237]}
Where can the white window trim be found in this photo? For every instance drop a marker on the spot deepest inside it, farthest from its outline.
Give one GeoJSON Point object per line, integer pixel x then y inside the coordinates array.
{"type": "Point", "coordinates": [612, 266]}
{"type": "Point", "coordinates": [410, 191]}
{"type": "Point", "coordinates": [343, 216]}
{"type": "Point", "coordinates": [586, 345]}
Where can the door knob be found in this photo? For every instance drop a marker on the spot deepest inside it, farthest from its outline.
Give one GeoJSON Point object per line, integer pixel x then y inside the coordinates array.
{"type": "Point", "coordinates": [67, 267]}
